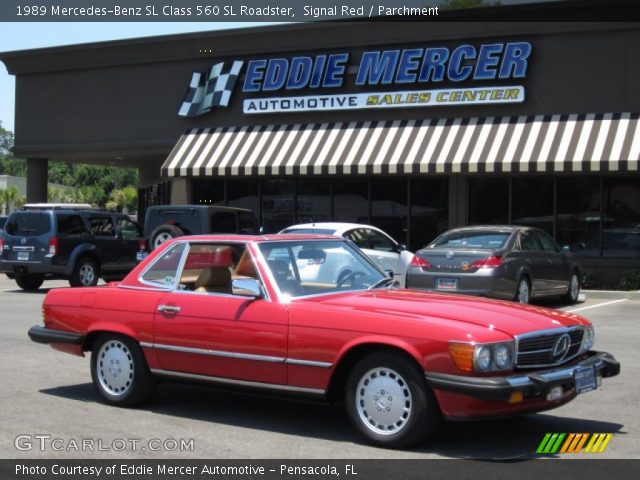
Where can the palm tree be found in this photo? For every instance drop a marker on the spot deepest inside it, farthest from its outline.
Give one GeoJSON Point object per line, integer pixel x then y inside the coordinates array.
{"type": "Point", "coordinates": [3, 202]}
{"type": "Point", "coordinates": [123, 199]}
{"type": "Point", "coordinates": [9, 197]}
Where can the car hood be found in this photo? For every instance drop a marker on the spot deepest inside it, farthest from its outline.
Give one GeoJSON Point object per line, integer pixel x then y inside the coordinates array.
{"type": "Point", "coordinates": [508, 317]}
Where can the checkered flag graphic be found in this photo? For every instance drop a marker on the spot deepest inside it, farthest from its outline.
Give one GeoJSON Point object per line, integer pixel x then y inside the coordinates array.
{"type": "Point", "coordinates": [208, 91]}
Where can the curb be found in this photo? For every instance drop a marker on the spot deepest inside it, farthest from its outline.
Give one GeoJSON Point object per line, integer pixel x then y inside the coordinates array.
{"type": "Point", "coordinates": [612, 294]}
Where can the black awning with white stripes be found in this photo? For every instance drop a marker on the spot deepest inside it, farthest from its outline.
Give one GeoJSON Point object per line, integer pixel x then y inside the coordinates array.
{"type": "Point", "coordinates": [544, 143]}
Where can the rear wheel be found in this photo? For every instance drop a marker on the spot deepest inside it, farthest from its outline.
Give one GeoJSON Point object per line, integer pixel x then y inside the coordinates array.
{"type": "Point", "coordinates": [573, 292]}
{"type": "Point", "coordinates": [119, 371]}
{"type": "Point", "coordinates": [164, 233]}
{"type": "Point", "coordinates": [389, 402]}
{"type": "Point", "coordinates": [30, 283]}
{"type": "Point", "coordinates": [523, 292]}
{"type": "Point", "coordinates": [85, 273]}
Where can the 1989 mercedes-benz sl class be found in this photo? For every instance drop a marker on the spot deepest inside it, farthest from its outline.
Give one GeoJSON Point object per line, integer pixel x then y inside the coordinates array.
{"type": "Point", "coordinates": [233, 310]}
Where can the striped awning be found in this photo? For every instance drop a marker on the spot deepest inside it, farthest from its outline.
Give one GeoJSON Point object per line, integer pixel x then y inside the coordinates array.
{"type": "Point", "coordinates": [545, 143]}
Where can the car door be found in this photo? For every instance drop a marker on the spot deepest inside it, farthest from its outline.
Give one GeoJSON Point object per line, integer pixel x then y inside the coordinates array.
{"type": "Point", "coordinates": [129, 236]}
{"type": "Point", "coordinates": [530, 256]}
{"type": "Point", "coordinates": [102, 233]}
{"type": "Point", "coordinates": [385, 253]}
{"type": "Point", "coordinates": [71, 231]}
{"type": "Point", "coordinates": [557, 273]}
{"type": "Point", "coordinates": [216, 334]}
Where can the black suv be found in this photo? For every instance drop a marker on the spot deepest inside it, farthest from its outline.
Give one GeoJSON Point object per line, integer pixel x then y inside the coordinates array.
{"type": "Point", "coordinates": [67, 243]}
{"type": "Point", "coordinates": [164, 222]}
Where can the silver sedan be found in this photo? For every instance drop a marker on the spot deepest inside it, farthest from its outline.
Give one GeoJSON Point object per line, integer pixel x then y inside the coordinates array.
{"type": "Point", "coordinates": [508, 262]}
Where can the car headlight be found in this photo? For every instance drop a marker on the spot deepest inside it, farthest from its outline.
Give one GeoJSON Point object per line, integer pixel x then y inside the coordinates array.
{"type": "Point", "coordinates": [482, 357]}
{"type": "Point", "coordinates": [588, 339]}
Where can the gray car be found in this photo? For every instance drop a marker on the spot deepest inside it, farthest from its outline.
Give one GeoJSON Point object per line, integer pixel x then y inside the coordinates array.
{"type": "Point", "coordinates": [507, 262]}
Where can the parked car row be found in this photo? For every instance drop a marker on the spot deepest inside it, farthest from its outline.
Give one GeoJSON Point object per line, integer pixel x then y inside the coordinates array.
{"type": "Point", "coordinates": [81, 245]}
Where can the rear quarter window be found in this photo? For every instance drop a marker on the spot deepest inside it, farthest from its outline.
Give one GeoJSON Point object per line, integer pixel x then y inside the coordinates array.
{"type": "Point", "coordinates": [28, 224]}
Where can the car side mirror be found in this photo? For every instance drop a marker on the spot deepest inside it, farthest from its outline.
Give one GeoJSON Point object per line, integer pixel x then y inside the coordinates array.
{"type": "Point", "coordinates": [389, 273]}
{"type": "Point", "coordinates": [248, 287]}
{"type": "Point", "coordinates": [402, 247]}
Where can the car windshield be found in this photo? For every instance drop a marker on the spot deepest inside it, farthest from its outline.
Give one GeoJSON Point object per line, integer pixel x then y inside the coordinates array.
{"type": "Point", "coordinates": [319, 231]}
{"type": "Point", "coordinates": [485, 240]}
{"type": "Point", "coordinates": [310, 267]}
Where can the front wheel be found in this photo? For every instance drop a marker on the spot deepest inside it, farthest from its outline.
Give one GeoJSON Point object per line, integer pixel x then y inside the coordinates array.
{"type": "Point", "coordinates": [573, 292]}
{"type": "Point", "coordinates": [119, 371]}
{"type": "Point", "coordinates": [30, 283]}
{"type": "Point", "coordinates": [388, 401]}
{"type": "Point", "coordinates": [523, 292]}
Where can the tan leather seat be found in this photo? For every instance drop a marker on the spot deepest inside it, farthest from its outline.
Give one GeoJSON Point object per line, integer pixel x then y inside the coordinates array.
{"type": "Point", "coordinates": [214, 280]}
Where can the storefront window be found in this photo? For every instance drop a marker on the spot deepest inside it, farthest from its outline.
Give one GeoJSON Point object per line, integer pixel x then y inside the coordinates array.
{"type": "Point", "coordinates": [351, 200]}
{"type": "Point", "coordinates": [277, 204]}
{"type": "Point", "coordinates": [207, 191]}
{"type": "Point", "coordinates": [621, 229]}
{"type": "Point", "coordinates": [429, 210]}
{"type": "Point", "coordinates": [313, 200]}
{"type": "Point", "coordinates": [579, 215]}
{"type": "Point", "coordinates": [532, 202]}
{"type": "Point", "coordinates": [389, 210]}
{"type": "Point", "coordinates": [244, 193]}
{"type": "Point", "coordinates": [488, 200]}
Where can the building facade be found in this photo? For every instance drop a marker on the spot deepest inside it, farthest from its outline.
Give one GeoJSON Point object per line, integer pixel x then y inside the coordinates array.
{"type": "Point", "coordinates": [413, 127]}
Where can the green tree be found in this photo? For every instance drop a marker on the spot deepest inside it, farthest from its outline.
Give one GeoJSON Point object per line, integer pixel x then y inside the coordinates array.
{"type": "Point", "coordinates": [123, 199]}
{"type": "Point", "coordinates": [8, 198]}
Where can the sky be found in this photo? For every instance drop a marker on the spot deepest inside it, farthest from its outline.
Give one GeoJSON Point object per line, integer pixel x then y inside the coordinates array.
{"type": "Point", "coordinates": [22, 36]}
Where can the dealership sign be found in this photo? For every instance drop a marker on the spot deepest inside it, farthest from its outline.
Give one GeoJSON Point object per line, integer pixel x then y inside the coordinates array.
{"type": "Point", "coordinates": [407, 77]}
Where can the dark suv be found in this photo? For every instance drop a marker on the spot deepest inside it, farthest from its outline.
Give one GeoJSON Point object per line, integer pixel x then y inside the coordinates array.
{"type": "Point", "coordinates": [164, 222]}
{"type": "Point", "coordinates": [64, 243]}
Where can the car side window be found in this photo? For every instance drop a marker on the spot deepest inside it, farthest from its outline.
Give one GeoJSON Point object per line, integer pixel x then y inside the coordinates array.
{"type": "Point", "coordinates": [163, 271]}
{"type": "Point", "coordinates": [528, 242]}
{"type": "Point", "coordinates": [223, 222]}
{"type": "Point", "coordinates": [101, 227]}
{"type": "Point", "coordinates": [357, 236]}
{"type": "Point", "coordinates": [378, 241]}
{"type": "Point", "coordinates": [128, 229]}
{"type": "Point", "coordinates": [548, 244]}
{"type": "Point", "coordinates": [70, 224]}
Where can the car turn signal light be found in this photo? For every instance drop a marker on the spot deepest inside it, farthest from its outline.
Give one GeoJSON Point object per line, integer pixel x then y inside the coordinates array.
{"type": "Point", "coordinates": [417, 261]}
{"type": "Point", "coordinates": [490, 262]}
{"type": "Point", "coordinates": [462, 355]}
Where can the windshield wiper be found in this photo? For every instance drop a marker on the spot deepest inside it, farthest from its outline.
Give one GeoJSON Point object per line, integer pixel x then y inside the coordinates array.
{"type": "Point", "coordinates": [382, 282]}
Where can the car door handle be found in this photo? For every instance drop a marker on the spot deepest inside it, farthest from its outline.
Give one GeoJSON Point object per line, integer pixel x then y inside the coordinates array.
{"type": "Point", "coordinates": [168, 308]}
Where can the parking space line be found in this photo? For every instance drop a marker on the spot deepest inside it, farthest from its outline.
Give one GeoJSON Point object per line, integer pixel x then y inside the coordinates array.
{"type": "Point", "coordinates": [597, 305]}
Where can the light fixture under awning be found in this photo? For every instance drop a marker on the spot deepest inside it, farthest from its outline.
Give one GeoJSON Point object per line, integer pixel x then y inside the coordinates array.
{"type": "Point", "coordinates": [530, 144]}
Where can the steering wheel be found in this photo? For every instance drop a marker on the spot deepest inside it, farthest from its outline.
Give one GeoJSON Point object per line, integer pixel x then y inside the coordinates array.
{"type": "Point", "coordinates": [350, 277]}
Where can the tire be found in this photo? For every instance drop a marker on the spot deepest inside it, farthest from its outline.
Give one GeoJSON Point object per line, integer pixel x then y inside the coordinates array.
{"type": "Point", "coordinates": [163, 234]}
{"type": "Point", "coordinates": [373, 389]}
{"type": "Point", "coordinates": [85, 273]}
{"type": "Point", "coordinates": [571, 297]}
{"type": "Point", "coordinates": [523, 291]}
{"type": "Point", "coordinates": [30, 283]}
{"type": "Point", "coordinates": [119, 371]}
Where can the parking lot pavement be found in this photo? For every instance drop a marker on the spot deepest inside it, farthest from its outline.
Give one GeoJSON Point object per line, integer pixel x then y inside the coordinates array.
{"type": "Point", "coordinates": [48, 392]}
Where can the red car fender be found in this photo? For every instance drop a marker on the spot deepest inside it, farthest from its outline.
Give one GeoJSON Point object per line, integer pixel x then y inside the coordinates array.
{"type": "Point", "coordinates": [380, 340]}
{"type": "Point", "coordinates": [111, 327]}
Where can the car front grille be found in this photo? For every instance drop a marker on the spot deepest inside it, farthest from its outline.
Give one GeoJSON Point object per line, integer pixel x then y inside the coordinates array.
{"type": "Point", "coordinates": [537, 349]}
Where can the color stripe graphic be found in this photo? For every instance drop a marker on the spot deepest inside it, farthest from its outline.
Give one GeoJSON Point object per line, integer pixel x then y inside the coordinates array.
{"type": "Point", "coordinates": [574, 443]}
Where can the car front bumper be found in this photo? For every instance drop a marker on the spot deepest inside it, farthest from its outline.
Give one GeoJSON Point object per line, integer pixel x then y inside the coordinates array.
{"type": "Point", "coordinates": [530, 384]}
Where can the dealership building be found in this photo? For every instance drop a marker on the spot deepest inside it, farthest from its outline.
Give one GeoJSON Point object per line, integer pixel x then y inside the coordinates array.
{"type": "Point", "coordinates": [412, 127]}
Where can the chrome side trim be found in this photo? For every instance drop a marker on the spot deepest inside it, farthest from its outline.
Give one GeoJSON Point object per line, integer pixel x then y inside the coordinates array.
{"type": "Point", "coordinates": [146, 289]}
{"type": "Point", "coordinates": [308, 363]}
{"type": "Point", "coordinates": [236, 355]}
{"type": "Point", "coordinates": [218, 353]}
{"type": "Point", "coordinates": [243, 383]}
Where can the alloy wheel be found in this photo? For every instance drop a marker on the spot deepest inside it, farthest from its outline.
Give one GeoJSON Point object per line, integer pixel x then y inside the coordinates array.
{"type": "Point", "coordinates": [115, 368]}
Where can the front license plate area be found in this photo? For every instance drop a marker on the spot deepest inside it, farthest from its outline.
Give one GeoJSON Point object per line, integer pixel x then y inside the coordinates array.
{"type": "Point", "coordinates": [447, 283]}
{"type": "Point", "coordinates": [23, 256]}
{"type": "Point", "coordinates": [585, 379]}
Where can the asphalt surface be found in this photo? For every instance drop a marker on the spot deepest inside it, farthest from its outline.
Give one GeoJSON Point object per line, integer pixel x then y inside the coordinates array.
{"type": "Point", "coordinates": [45, 392]}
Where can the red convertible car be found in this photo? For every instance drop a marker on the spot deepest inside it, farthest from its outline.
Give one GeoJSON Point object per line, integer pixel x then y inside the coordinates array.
{"type": "Point", "coordinates": [233, 310]}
